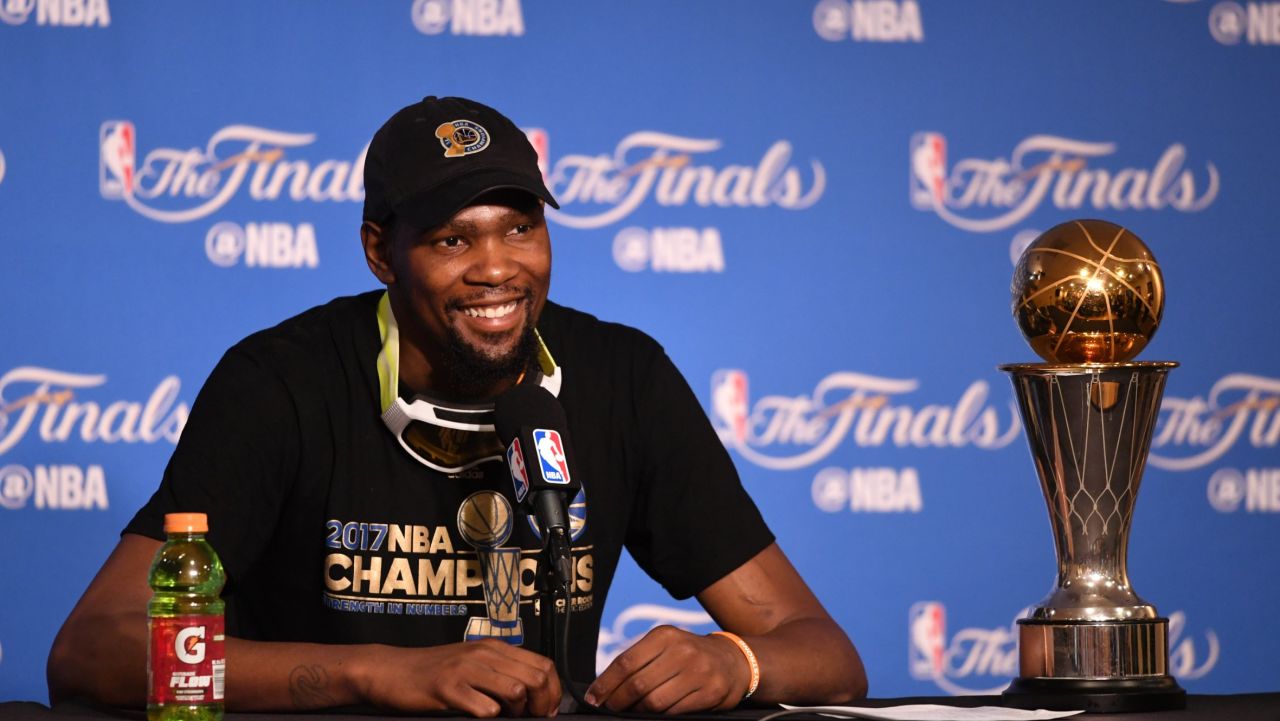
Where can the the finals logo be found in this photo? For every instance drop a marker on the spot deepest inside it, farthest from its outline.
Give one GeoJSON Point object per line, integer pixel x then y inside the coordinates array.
{"type": "Point", "coordinates": [782, 432]}
{"type": "Point", "coordinates": [672, 171]}
{"type": "Point", "coordinates": [983, 195]}
{"type": "Point", "coordinates": [46, 400]}
{"type": "Point", "coordinates": [177, 185]}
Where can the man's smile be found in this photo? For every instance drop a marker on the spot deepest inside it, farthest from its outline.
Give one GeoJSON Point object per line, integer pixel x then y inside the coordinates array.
{"type": "Point", "coordinates": [500, 314]}
{"type": "Point", "coordinates": [491, 311]}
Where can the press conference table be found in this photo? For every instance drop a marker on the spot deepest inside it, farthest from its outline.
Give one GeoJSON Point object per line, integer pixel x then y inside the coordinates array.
{"type": "Point", "coordinates": [1235, 707]}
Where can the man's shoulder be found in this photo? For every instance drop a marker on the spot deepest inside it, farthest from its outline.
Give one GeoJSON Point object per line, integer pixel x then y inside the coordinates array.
{"type": "Point", "coordinates": [338, 327]}
{"type": "Point", "coordinates": [571, 334]}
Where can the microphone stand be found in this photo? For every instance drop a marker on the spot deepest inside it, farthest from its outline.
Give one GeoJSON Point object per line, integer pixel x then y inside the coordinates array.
{"type": "Point", "coordinates": [545, 585]}
{"type": "Point", "coordinates": [553, 581]}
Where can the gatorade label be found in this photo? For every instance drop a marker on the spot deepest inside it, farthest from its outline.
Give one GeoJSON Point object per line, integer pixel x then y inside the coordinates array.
{"type": "Point", "coordinates": [188, 660]}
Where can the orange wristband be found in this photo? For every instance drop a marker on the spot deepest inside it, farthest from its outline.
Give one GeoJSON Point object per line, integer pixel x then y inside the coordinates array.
{"type": "Point", "coordinates": [751, 659]}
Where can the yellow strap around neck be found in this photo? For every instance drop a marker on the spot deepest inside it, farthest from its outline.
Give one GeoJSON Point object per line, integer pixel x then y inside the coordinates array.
{"type": "Point", "coordinates": [389, 356]}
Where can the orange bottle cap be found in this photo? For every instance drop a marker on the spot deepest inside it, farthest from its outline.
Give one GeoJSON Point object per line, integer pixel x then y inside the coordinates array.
{"type": "Point", "coordinates": [186, 523]}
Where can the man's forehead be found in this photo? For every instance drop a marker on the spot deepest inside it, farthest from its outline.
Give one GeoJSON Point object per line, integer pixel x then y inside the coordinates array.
{"type": "Point", "coordinates": [506, 207]}
{"type": "Point", "coordinates": [504, 202]}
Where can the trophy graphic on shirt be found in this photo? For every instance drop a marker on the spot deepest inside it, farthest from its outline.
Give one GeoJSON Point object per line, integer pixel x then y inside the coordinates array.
{"type": "Point", "coordinates": [485, 521]}
{"type": "Point", "coordinates": [1088, 296]}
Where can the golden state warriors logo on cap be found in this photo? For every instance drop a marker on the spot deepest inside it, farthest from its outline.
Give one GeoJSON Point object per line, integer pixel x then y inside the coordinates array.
{"type": "Point", "coordinates": [462, 137]}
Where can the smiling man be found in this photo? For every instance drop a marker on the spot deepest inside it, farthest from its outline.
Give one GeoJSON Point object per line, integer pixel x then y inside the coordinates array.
{"type": "Point", "coordinates": [361, 507]}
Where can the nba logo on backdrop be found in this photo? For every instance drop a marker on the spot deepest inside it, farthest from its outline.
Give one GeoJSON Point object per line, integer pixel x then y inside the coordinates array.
{"type": "Point", "coordinates": [988, 656]}
{"type": "Point", "coordinates": [927, 625]}
{"type": "Point", "coordinates": [468, 17]}
{"type": "Point", "coordinates": [541, 142]}
{"type": "Point", "coordinates": [57, 13]}
{"type": "Point", "coordinates": [1257, 23]}
{"type": "Point", "coordinates": [928, 170]}
{"type": "Point", "coordinates": [868, 20]}
{"type": "Point", "coordinates": [117, 158]}
{"type": "Point", "coordinates": [555, 469]}
{"type": "Point", "coordinates": [729, 402]}
{"type": "Point", "coordinates": [58, 486]}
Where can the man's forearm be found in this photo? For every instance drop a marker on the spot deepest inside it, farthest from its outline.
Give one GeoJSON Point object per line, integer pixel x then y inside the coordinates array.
{"type": "Point", "coordinates": [108, 666]}
{"type": "Point", "coordinates": [807, 660]}
{"type": "Point", "coordinates": [100, 659]}
{"type": "Point", "coordinates": [293, 676]}
{"type": "Point", "coordinates": [479, 678]}
{"type": "Point", "coordinates": [804, 655]}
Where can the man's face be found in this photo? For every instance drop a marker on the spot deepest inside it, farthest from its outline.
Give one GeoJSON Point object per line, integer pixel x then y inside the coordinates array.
{"type": "Point", "coordinates": [473, 288]}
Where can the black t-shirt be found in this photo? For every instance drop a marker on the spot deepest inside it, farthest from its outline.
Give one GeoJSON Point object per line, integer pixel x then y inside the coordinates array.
{"type": "Point", "coordinates": [330, 532]}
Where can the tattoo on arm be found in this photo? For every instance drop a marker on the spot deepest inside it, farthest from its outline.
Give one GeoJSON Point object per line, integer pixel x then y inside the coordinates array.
{"type": "Point", "coordinates": [309, 687]}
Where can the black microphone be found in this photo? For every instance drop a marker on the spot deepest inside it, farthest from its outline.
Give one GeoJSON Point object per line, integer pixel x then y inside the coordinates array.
{"type": "Point", "coordinates": [532, 427]}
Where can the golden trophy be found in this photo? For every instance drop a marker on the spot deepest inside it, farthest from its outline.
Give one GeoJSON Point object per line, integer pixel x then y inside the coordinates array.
{"type": "Point", "coordinates": [1088, 296]}
{"type": "Point", "coordinates": [485, 521]}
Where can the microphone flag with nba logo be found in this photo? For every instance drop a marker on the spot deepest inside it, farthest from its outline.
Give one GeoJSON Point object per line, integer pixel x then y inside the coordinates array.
{"type": "Point", "coordinates": [534, 430]}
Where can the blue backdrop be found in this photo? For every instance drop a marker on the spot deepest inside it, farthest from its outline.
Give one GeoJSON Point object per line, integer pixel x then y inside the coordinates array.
{"type": "Point", "coordinates": [812, 205]}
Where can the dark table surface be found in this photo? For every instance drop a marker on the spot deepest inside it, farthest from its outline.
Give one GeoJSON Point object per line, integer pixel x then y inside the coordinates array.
{"type": "Point", "coordinates": [1236, 707]}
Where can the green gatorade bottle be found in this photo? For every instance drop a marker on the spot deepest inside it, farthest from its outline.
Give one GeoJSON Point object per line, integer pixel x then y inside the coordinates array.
{"type": "Point", "coordinates": [186, 660]}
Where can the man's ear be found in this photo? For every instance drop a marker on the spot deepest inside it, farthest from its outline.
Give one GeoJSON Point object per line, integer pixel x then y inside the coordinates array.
{"type": "Point", "coordinates": [377, 251]}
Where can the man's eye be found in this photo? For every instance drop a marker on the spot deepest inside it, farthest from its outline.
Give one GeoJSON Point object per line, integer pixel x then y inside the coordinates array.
{"type": "Point", "coordinates": [452, 241]}
{"type": "Point", "coordinates": [522, 228]}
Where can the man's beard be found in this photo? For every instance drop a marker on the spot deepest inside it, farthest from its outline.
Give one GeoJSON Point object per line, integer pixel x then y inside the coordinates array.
{"type": "Point", "coordinates": [474, 372]}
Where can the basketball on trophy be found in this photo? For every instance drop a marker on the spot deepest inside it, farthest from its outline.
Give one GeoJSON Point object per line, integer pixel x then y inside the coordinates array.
{"type": "Point", "coordinates": [1088, 291]}
{"type": "Point", "coordinates": [485, 519]}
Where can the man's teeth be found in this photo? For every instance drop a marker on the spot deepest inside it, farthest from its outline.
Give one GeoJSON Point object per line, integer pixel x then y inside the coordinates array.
{"type": "Point", "coordinates": [491, 311]}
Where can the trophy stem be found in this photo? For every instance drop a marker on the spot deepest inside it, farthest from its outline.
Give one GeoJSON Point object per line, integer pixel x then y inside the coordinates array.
{"type": "Point", "coordinates": [1092, 642]}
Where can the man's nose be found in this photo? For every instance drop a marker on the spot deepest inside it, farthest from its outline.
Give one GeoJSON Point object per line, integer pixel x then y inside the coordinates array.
{"type": "Point", "coordinates": [494, 263]}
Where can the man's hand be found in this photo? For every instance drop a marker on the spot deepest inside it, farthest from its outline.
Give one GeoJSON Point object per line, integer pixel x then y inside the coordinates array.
{"type": "Point", "coordinates": [804, 657]}
{"type": "Point", "coordinates": [100, 657]}
{"type": "Point", "coordinates": [481, 678]}
{"type": "Point", "coordinates": [673, 671]}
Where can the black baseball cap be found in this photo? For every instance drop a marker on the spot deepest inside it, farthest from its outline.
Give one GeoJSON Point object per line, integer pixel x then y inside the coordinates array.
{"type": "Point", "coordinates": [435, 156]}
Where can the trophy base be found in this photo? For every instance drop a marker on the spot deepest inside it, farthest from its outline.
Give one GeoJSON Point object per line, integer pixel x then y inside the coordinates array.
{"type": "Point", "coordinates": [1096, 666]}
{"type": "Point", "coordinates": [1086, 650]}
{"type": "Point", "coordinates": [1128, 695]}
